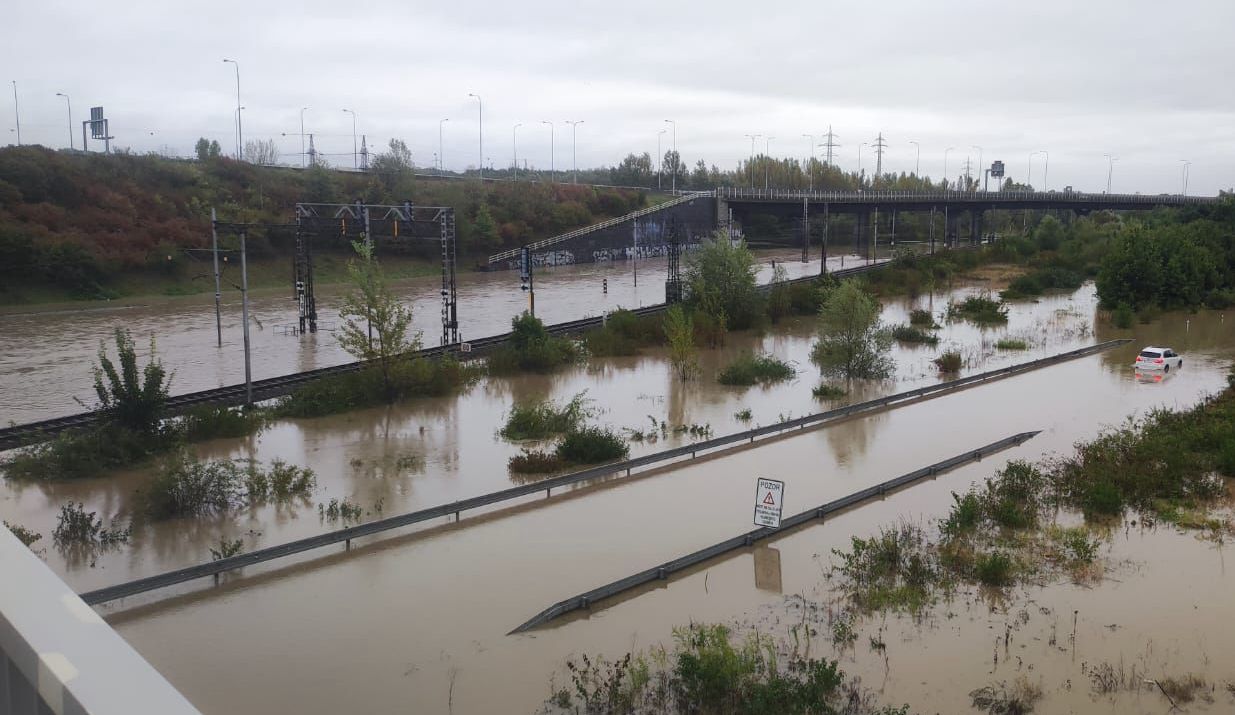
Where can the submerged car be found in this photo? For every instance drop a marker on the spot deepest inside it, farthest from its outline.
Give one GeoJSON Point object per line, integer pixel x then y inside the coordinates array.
{"type": "Point", "coordinates": [1158, 358]}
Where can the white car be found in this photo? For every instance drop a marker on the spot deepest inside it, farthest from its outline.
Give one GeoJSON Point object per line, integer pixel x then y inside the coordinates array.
{"type": "Point", "coordinates": [1158, 358]}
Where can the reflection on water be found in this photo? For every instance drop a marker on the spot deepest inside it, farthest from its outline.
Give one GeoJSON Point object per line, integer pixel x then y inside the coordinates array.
{"type": "Point", "coordinates": [439, 604]}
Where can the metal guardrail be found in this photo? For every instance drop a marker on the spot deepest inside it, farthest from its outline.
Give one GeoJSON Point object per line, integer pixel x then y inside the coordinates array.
{"type": "Point", "coordinates": [172, 578]}
{"type": "Point", "coordinates": [546, 242]}
{"type": "Point", "coordinates": [29, 433]}
{"type": "Point", "coordinates": [739, 194]}
{"type": "Point", "coordinates": [663, 571]}
{"type": "Point", "coordinates": [58, 656]}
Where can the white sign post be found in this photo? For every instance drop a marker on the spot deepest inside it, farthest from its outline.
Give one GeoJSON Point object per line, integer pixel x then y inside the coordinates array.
{"type": "Point", "coordinates": [769, 498]}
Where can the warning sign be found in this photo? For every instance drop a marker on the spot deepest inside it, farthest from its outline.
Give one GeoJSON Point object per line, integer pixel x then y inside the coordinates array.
{"type": "Point", "coordinates": [769, 498]}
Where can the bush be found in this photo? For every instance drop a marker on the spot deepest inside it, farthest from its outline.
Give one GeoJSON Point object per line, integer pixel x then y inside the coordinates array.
{"type": "Point", "coordinates": [1011, 344]}
{"type": "Point", "coordinates": [532, 348]}
{"type": "Point", "coordinates": [979, 309]}
{"type": "Point", "coordinates": [24, 535]}
{"type": "Point", "coordinates": [1122, 316]}
{"type": "Point", "coordinates": [624, 333]}
{"type": "Point", "coordinates": [1102, 499]}
{"type": "Point", "coordinates": [133, 400]}
{"type": "Point", "coordinates": [949, 362]}
{"type": "Point", "coordinates": [215, 421]}
{"type": "Point", "coordinates": [185, 486]}
{"type": "Point", "coordinates": [910, 334]}
{"type": "Point", "coordinates": [77, 527]}
{"type": "Point", "coordinates": [922, 318]}
{"type": "Point", "coordinates": [539, 420]}
{"type": "Point", "coordinates": [824, 391]}
{"type": "Point", "coordinates": [592, 445]}
{"type": "Point", "coordinates": [419, 377]}
{"type": "Point", "coordinates": [756, 369]}
{"type": "Point", "coordinates": [535, 462]}
{"type": "Point", "coordinates": [88, 453]}
{"type": "Point", "coordinates": [994, 568]}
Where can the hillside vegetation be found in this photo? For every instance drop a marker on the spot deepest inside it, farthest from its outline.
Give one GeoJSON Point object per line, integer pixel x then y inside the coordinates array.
{"type": "Point", "coordinates": [79, 223]}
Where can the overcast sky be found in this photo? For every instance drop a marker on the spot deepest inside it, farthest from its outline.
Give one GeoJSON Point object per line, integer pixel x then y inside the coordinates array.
{"type": "Point", "coordinates": [1148, 82]}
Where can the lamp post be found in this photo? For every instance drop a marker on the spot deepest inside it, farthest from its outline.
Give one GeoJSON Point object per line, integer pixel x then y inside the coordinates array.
{"type": "Point", "coordinates": [552, 168]}
{"type": "Point", "coordinates": [981, 171]}
{"type": "Point", "coordinates": [811, 137]}
{"type": "Point", "coordinates": [750, 165]}
{"type": "Point", "coordinates": [767, 149]}
{"type": "Point", "coordinates": [441, 152]}
{"type": "Point", "coordinates": [1029, 169]}
{"type": "Point", "coordinates": [945, 166]}
{"type": "Point", "coordinates": [480, 129]}
{"type": "Point", "coordinates": [68, 102]}
{"type": "Point", "coordinates": [354, 164]}
{"type": "Point", "coordinates": [1184, 178]}
{"type": "Point", "coordinates": [239, 124]}
{"type": "Point", "coordinates": [860, 162]}
{"type": "Point", "coordinates": [574, 168]}
{"type": "Point", "coordinates": [302, 157]}
{"type": "Point", "coordinates": [917, 160]}
{"type": "Point", "coordinates": [1046, 170]}
{"type": "Point", "coordinates": [677, 160]}
{"type": "Point", "coordinates": [660, 158]}
{"type": "Point", "coordinates": [16, 112]}
{"type": "Point", "coordinates": [1110, 169]}
{"type": "Point", "coordinates": [514, 145]}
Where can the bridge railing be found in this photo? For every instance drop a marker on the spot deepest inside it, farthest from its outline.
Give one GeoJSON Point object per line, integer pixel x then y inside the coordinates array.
{"type": "Point", "coordinates": [58, 656]}
{"type": "Point", "coordinates": [738, 193]}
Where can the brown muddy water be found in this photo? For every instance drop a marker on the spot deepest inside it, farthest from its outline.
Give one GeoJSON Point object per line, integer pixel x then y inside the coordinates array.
{"type": "Point", "coordinates": [46, 355]}
{"type": "Point", "coordinates": [417, 622]}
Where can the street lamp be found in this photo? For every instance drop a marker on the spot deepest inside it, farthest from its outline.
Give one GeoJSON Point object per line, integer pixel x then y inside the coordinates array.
{"type": "Point", "coordinates": [750, 165]}
{"type": "Point", "coordinates": [552, 168]}
{"type": "Point", "coordinates": [70, 106]}
{"type": "Point", "coordinates": [677, 160]}
{"type": "Point", "coordinates": [767, 149]}
{"type": "Point", "coordinates": [17, 112]}
{"type": "Point", "coordinates": [945, 166]}
{"type": "Point", "coordinates": [660, 158]}
{"type": "Point", "coordinates": [1110, 169]}
{"type": "Point", "coordinates": [980, 169]}
{"type": "Point", "coordinates": [1046, 170]}
{"type": "Point", "coordinates": [480, 128]}
{"type": "Point", "coordinates": [354, 164]}
{"type": "Point", "coordinates": [1184, 171]}
{"type": "Point", "coordinates": [302, 136]}
{"type": "Point", "coordinates": [860, 161]}
{"type": "Point", "coordinates": [441, 153]}
{"type": "Point", "coordinates": [811, 137]}
{"type": "Point", "coordinates": [574, 168]}
{"type": "Point", "coordinates": [239, 124]}
{"type": "Point", "coordinates": [1029, 170]}
{"type": "Point", "coordinates": [917, 161]}
{"type": "Point", "coordinates": [514, 143]}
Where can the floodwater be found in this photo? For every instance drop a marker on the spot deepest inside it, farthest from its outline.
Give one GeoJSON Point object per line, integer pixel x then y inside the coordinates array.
{"type": "Point", "coordinates": [416, 622]}
{"type": "Point", "coordinates": [46, 355]}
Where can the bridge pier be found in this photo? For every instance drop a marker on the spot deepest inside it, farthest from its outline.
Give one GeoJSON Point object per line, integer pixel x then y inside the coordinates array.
{"type": "Point", "coordinates": [975, 226]}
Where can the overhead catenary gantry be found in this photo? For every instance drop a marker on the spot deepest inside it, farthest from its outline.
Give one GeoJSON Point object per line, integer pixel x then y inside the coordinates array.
{"type": "Point", "coordinates": [405, 222]}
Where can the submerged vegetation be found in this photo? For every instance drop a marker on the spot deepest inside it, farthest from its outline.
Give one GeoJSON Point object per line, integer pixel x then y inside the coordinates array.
{"type": "Point", "coordinates": [980, 309]}
{"type": "Point", "coordinates": [186, 486]}
{"type": "Point", "coordinates": [853, 343]}
{"type": "Point", "coordinates": [408, 378]}
{"type": "Point", "coordinates": [911, 334]}
{"type": "Point", "coordinates": [532, 349]}
{"type": "Point", "coordinates": [750, 369]}
{"type": "Point", "coordinates": [580, 446]}
{"type": "Point", "coordinates": [540, 420]}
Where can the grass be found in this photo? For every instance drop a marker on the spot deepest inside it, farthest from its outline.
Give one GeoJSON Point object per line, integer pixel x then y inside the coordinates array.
{"type": "Point", "coordinates": [824, 391]}
{"type": "Point", "coordinates": [910, 334]}
{"type": "Point", "coordinates": [894, 570]}
{"type": "Point", "coordinates": [1011, 344]}
{"type": "Point", "coordinates": [949, 362]}
{"type": "Point", "coordinates": [750, 369]}
{"type": "Point", "coordinates": [980, 309]}
{"type": "Point", "coordinates": [543, 419]}
{"type": "Point", "coordinates": [743, 415]}
{"type": "Point", "coordinates": [1016, 698]}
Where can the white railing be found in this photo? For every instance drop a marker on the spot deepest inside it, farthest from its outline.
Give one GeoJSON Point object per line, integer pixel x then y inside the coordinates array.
{"type": "Point", "coordinates": [543, 243]}
{"type": "Point", "coordinates": [737, 193]}
{"type": "Point", "coordinates": [57, 655]}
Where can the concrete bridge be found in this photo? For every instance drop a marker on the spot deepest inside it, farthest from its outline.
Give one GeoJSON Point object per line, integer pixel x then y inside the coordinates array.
{"type": "Point", "coordinates": [963, 214]}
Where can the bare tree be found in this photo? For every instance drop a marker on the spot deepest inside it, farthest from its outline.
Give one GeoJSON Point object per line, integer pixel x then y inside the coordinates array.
{"type": "Point", "coordinates": [261, 151]}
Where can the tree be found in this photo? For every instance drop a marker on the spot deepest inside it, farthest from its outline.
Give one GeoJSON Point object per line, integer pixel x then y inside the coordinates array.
{"type": "Point", "coordinates": [1049, 233]}
{"type": "Point", "coordinates": [720, 275]}
{"type": "Point", "coordinates": [398, 160]}
{"type": "Point", "coordinates": [133, 401]}
{"type": "Point", "coordinates": [673, 166]}
{"type": "Point", "coordinates": [263, 152]}
{"type": "Point", "coordinates": [486, 228]}
{"type": "Point", "coordinates": [634, 170]}
{"type": "Point", "coordinates": [207, 149]}
{"type": "Point", "coordinates": [375, 324]}
{"type": "Point", "coordinates": [1131, 270]}
{"type": "Point", "coordinates": [680, 331]}
{"type": "Point", "coordinates": [852, 340]}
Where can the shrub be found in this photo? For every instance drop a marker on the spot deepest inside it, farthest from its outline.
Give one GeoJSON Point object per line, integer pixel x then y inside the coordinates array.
{"type": "Point", "coordinates": [535, 462]}
{"type": "Point", "coordinates": [592, 445]}
{"type": "Point", "coordinates": [624, 333]}
{"type": "Point", "coordinates": [742, 415]}
{"type": "Point", "coordinates": [824, 391]}
{"type": "Point", "coordinates": [539, 420]}
{"type": "Point", "coordinates": [910, 334]}
{"type": "Point", "coordinates": [1123, 316]}
{"type": "Point", "coordinates": [994, 568]}
{"type": "Point", "coordinates": [852, 340]}
{"type": "Point", "coordinates": [949, 362]}
{"type": "Point", "coordinates": [979, 309]}
{"type": "Point", "coordinates": [24, 535]}
{"type": "Point", "coordinates": [922, 318]}
{"type": "Point", "coordinates": [82, 454]}
{"type": "Point", "coordinates": [133, 400]}
{"type": "Point", "coordinates": [751, 369]}
{"type": "Point", "coordinates": [186, 486]}
{"type": "Point", "coordinates": [77, 527]}
{"type": "Point", "coordinates": [215, 421]}
{"type": "Point", "coordinates": [419, 377]}
{"type": "Point", "coordinates": [532, 348]}
{"type": "Point", "coordinates": [1103, 499]}
{"type": "Point", "coordinates": [227, 549]}
{"type": "Point", "coordinates": [965, 515]}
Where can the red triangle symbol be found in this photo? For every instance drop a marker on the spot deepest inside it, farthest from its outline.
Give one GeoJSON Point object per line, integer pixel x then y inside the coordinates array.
{"type": "Point", "coordinates": [769, 500]}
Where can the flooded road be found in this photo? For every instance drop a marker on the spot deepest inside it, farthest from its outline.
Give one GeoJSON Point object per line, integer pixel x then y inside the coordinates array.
{"type": "Point", "coordinates": [46, 356]}
{"type": "Point", "coordinates": [416, 622]}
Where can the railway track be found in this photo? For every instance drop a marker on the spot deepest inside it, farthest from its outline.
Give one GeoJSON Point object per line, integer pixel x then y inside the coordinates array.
{"type": "Point", "coordinates": [20, 435]}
